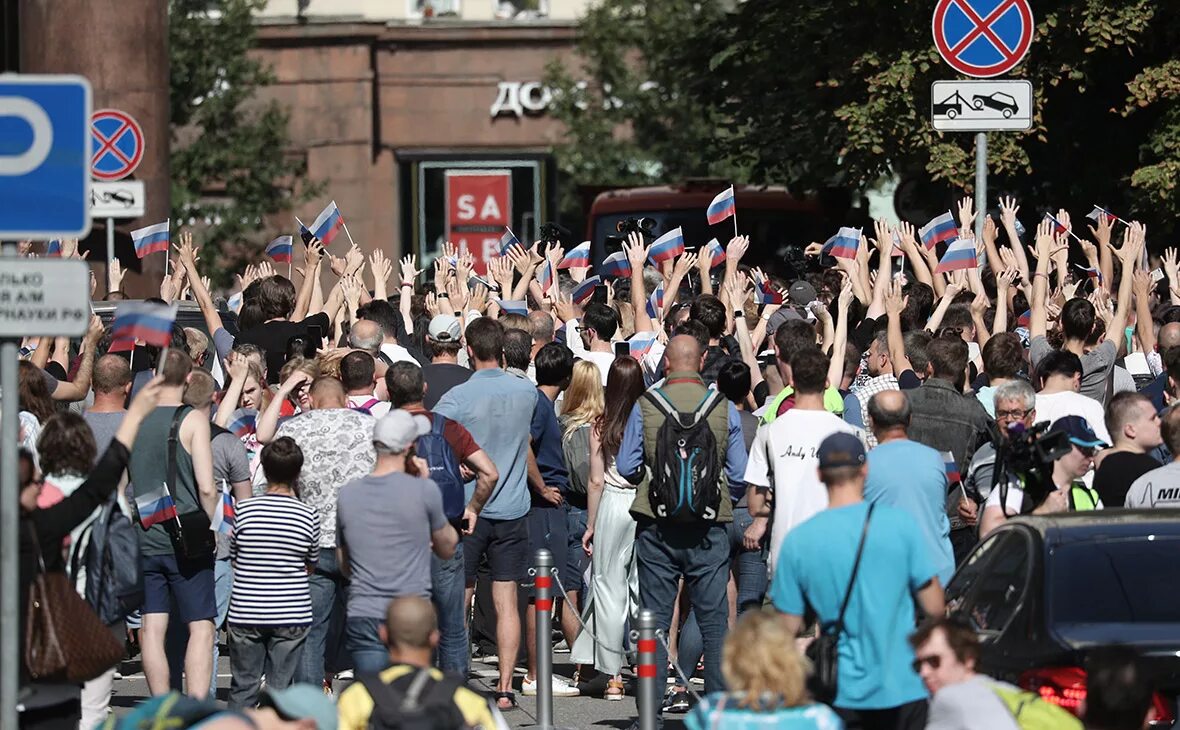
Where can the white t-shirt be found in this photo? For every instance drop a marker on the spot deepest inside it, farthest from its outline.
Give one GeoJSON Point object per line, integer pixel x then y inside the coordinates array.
{"type": "Point", "coordinates": [602, 359]}
{"type": "Point", "coordinates": [397, 353]}
{"type": "Point", "coordinates": [1056, 405]}
{"type": "Point", "coordinates": [377, 409]}
{"type": "Point", "coordinates": [794, 437]}
{"type": "Point", "coordinates": [1015, 498]}
{"type": "Point", "coordinates": [1158, 488]}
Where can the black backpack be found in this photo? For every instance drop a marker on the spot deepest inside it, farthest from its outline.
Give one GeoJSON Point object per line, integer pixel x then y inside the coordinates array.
{"type": "Point", "coordinates": [114, 580]}
{"type": "Point", "coordinates": [686, 476]}
{"type": "Point", "coordinates": [416, 701]}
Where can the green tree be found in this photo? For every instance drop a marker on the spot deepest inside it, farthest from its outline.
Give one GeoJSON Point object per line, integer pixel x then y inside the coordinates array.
{"type": "Point", "coordinates": [230, 160]}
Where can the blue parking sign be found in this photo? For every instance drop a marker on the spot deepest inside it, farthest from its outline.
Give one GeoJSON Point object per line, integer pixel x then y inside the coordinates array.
{"type": "Point", "coordinates": [44, 157]}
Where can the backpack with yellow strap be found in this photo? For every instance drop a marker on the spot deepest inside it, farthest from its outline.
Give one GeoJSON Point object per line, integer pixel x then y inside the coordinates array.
{"type": "Point", "coordinates": [1033, 713]}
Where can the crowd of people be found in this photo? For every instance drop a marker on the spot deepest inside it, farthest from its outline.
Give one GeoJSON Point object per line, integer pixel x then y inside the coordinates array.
{"type": "Point", "coordinates": [351, 481]}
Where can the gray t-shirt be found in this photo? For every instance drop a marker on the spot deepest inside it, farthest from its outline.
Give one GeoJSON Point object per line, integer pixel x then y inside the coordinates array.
{"type": "Point", "coordinates": [104, 426]}
{"type": "Point", "coordinates": [1157, 489]}
{"type": "Point", "coordinates": [231, 464]}
{"type": "Point", "coordinates": [970, 705]}
{"type": "Point", "coordinates": [385, 523]}
{"type": "Point", "coordinates": [1096, 365]}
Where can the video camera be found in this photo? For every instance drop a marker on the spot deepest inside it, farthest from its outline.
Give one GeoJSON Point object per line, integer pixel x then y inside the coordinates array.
{"type": "Point", "coordinates": [643, 226]}
{"type": "Point", "coordinates": [552, 233]}
{"type": "Point", "coordinates": [1028, 453]}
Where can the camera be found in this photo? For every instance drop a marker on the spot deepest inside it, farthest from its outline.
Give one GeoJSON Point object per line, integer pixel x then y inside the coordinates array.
{"type": "Point", "coordinates": [646, 227]}
{"type": "Point", "coordinates": [1027, 453]}
{"type": "Point", "coordinates": [552, 233]}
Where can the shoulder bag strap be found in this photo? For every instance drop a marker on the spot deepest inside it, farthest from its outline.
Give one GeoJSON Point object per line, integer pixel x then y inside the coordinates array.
{"type": "Point", "coordinates": [662, 404]}
{"type": "Point", "coordinates": [712, 399]}
{"type": "Point", "coordinates": [855, 568]}
{"type": "Point", "coordinates": [173, 445]}
{"type": "Point", "coordinates": [385, 696]}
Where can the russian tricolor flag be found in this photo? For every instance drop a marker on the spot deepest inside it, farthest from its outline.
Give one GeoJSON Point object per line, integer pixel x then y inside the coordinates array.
{"type": "Point", "coordinates": [714, 252]}
{"type": "Point", "coordinates": [1091, 272]}
{"type": "Point", "coordinates": [766, 293]}
{"type": "Point", "coordinates": [53, 248]}
{"type": "Point", "coordinates": [641, 343]}
{"type": "Point", "coordinates": [122, 344]}
{"type": "Point", "coordinates": [578, 257]}
{"type": "Point", "coordinates": [582, 292]}
{"type": "Point", "coordinates": [328, 223]}
{"type": "Point", "coordinates": [155, 507]}
{"type": "Point", "coordinates": [1100, 211]}
{"type": "Point", "coordinates": [617, 265]}
{"type": "Point", "coordinates": [280, 249]}
{"type": "Point", "coordinates": [655, 303]}
{"type": "Point", "coordinates": [144, 321]}
{"type": "Point", "coordinates": [960, 254]}
{"type": "Point", "coordinates": [514, 306]}
{"type": "Point", "coordinates": [243, 422]}
{"type": "Point", "coordinates": [507, 240]}
{"type": "Point", "coordinates": [844, 244]}
{"type": "Point", "coordinates": [1024, 319]}
{"type": "Point", "coordinates": [722, 207]}
{"type": "Point", "coordinates": [951, 467]}
{"type": "Point", "coordinates": [1058, 226]}
{"type": "Point", "coordinates": [668, 246]}
{"type": "Point", "coordinates": [938, 230]}
{"type": "Point", "coordinates": [223, 515]}
{"type": "Point", "coordinates": [151, 239]}
{"type": "Point", "coordinates": [545, 276]}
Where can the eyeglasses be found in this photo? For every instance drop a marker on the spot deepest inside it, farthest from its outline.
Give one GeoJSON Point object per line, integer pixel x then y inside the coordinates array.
{"type": "Point", "coordinates": [934, 660]}
{"type": "Point", "coordinates": [1015, 413]}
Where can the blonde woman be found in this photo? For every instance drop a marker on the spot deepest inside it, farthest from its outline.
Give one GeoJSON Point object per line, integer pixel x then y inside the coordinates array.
{"type": "Point", "coordinates": [609, 539]}
{"type": "Point", "coordinates": [582, 407]}
{"type": "Point", "coordinates": [767, 680]}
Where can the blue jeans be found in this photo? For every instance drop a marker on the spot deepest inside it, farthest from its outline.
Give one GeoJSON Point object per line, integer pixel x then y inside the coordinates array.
{"type": "Point", "coordinates": [327, 586]}
{"type": "Point", "coordinates": [176, 640]}
{"type": "Point", "coordinates": [575, 561]}
{"type": "Point", "coordinates": [448, 587]}
{"type": "Point", "coordinates": [749, 572]}
{"type": "Point", "coordinates": [700, 554]}
{"type": "Point", "coordinates": [369, 655]}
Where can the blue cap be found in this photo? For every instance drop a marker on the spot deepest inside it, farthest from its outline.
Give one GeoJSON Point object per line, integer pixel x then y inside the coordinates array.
{"type": "Point", "coordinates": [1079, 432]}
{"type": "Point", "coordinates": [841, 449]}
{"type": "Point", "coordinates": [302, 702]}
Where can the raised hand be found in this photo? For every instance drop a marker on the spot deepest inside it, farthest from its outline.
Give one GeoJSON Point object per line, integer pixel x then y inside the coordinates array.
{"type": "Point", "coordinates": [478, 300]}
{"type": "Point", "coordinates": [116, 273]}
{"type": "Point", "coordinates": [884, 237]}
{"type": "Point", "coordinates": [1102, 230]}
{"type": "Point", "coordinates": [684, 264]}
{"type": "Point", "coordinates": [990, 232]}
{"type": "Point", "coordinates": [354, 260]}
{"type": "Point", "coordinates": [909, 237]}
{"type": "Point", "coordinates": [265, 269]}
{"type": "Point", "coordinates": [1008, 211]}
{"type": "Point", "coordinates": [409, 268]}
{"type": "Point", "coordinates": [636, 250]}
{"type": "Point", "coordinates": [966, 210]}
{"type": "Point", "coordinates": [313, 254]}
{"type": "Point", "coordinates": [381, 267]}
{"type": "Point", "coordinates": [738, 245]}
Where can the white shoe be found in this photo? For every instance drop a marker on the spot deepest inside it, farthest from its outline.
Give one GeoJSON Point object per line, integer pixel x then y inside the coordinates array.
{"type": "Point", "coordinates": [345, 676]}
{"type": "Point", "coordinates": [561, 688]}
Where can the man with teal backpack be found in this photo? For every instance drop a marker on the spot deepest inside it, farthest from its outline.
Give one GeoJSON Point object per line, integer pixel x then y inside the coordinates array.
{"type": "Point", "coordinates": [946, 651]}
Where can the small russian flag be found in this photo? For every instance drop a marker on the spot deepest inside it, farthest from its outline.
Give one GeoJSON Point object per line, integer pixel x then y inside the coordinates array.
{"type": "Point", "coordinates": [243, 422]}
{"type": "Point", "coordinates": [280, 249]}
{"type": "Point", "coordinates": [1091, 272]}
{"type": "Point", "coordinates": [545, 276]}
{"type": "Point", "coordinates": [578, 257]}
{"type": "Point", "coordinates": [582, 292]}
{"type": "Point", "coordinates": [1100, 211]}
{"type": "Point", "coordinates": [122, 344]}
{"type": "Point", "coordinates": [715, 253]}
{"type": "Point", "coordinates": [722, 207]}
{"type": "Point", "coordinates": [507, 240]}
{"type": "Point", "coordinates": [655, 303]}
{"type": "Point", "coordinates": [223, 515]}
{"type": "Point", "coordinates": [766, 293]}
{"type": "Point", "coordinates": [144, 321]}
{"type": "Point", "coordinates": [234, 302]}
{"type": "Point", "coordinates": [951, 466]}
{"type": "Point", "coordinates": [938, 230]}
{"type": "Point", "coordinates": [1058, 226]}
{"type": "Point", "coordinates": [328, 223]}
{"type": "Point", "coordinates": [53, 248]}
{"type": "Point", "coordinates": [668, 246]}
{"type": "Point", "coordinates": [151, 239]}
{"type": "Point", "coordinates": [960, 254]}
{"type": "Point", "coordinates": [616, 265]}
{"type": "Point", "coordinates": [514, 306]}
{"type": "Point", "coordinates": [641, 343]}
{"type": "Point", "coordinates": [897, 250]}
{"type": "Point", "coordinates": [1024, 319]}
{"type": "Point", "coordinates": [844, 244]}
{"type": "Point", "coordinates": [155, 507]}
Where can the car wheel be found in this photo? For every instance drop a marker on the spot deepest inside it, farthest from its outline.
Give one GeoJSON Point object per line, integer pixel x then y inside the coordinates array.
{"type": "Point", "coordinates": [951, 114]}
{"type": "Point", "coordinates": [1007, 113]}
{"type": "Point", "coordinates": [977, 104]}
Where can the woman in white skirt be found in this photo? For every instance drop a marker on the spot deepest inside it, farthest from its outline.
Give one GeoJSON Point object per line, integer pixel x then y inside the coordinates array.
{"type": "Point", "coordinates": [609, 540]}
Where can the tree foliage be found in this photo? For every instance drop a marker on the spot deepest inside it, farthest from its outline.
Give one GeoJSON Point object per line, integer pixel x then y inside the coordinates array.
{"type": "Point", "coordinates": [230, 161]}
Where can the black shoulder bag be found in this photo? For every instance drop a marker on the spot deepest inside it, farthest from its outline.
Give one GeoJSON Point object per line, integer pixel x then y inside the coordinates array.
{"type": "Point", "coordinates": [191, 532]}
{"type": "Point", "coordinates": [823, 652]}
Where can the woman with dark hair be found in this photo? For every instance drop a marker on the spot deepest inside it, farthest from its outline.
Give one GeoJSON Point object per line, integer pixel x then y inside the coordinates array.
{"type": "Point", "coordinates": [269, 305]}
{"type": "Point", "coordinates": [35, 397]}
{"type": "Point", "coordinates": [610, 534]}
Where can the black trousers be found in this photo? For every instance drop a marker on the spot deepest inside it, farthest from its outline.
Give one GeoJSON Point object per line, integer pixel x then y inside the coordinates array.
{"type": "Point", "coordinates": [911, 716]}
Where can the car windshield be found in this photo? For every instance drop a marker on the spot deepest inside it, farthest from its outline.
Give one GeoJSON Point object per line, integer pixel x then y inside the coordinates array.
{"type": "Point", "coordinates": [1005, 97]}
{"type": "Point", "coordinates": [1123, 581]}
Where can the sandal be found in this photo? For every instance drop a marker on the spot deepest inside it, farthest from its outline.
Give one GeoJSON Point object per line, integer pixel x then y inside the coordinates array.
{"type": "Point", "coordinates": [615, 690]}
{"type": "Point", "coordinates": [510, 697]}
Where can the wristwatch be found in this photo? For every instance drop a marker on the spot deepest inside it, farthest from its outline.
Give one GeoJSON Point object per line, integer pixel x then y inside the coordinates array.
{"type": "Point", "coordinates": [739, 313]}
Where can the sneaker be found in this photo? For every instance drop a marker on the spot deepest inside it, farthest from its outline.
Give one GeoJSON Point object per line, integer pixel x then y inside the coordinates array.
{"type": "Point", "coordinates": [345, 676]}
{"type": "Point", "coordinates": [561, 688]}
{"type": "Point", "coordinates": [676, 701]}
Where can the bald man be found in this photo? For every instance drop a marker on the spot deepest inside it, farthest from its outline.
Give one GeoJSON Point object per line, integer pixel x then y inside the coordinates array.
{"type": "Point", "coordinates": [690, 541]}
{"type": "Point", "coordinates": [337, 444]}
{"type": "Point", "coordinates": [112, 385]}
{"type": "Point", "coordinates": [411, 634]}
{"type": "Point", "coordinates": [910, 476]}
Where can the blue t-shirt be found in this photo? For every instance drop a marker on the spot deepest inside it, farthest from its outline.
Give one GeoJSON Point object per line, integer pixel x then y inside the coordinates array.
{"type": "Point", "coordinates": [706, 716]}
{"type": "Point", "coordinates": [546, 434]}
{"type": "Point", "coordinates": [912, 477]}
{"type": "Point", "coordinates": [497, 408]}
{"type": "Point", "coordinates": [813, 570]}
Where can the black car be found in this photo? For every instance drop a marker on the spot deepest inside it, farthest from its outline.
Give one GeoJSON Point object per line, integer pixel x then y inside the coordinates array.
{"type": "Point", "coordinates": [1001, 102]}
{"type": "Point", "coordinates": [1041, 591]}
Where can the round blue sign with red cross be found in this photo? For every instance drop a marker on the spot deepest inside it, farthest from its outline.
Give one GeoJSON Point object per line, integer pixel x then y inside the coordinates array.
{"type": "Point", "coordinates": [118, 144]}
{"type": "Point", "coordinates": [983, 38]}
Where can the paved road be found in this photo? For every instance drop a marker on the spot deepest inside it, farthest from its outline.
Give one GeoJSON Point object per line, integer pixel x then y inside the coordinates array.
{"type": "Point", "coordinates": [573, 712]}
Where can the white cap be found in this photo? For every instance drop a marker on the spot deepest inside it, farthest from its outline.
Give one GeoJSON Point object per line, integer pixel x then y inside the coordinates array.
{"type": "Point", "coordinates": [395, 431]}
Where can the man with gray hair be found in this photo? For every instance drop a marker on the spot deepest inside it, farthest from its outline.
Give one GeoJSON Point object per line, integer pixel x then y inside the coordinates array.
{"type": "Point", "coordinates": [1015, 403]}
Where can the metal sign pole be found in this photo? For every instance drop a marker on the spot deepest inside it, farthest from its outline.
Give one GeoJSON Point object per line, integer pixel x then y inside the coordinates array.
{"type": "Point", "coordinates": [980, 186]}
{"type": "Point", "coordinates": [9, 525]}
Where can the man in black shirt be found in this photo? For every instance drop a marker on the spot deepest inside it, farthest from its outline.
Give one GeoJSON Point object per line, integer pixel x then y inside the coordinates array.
{"type": "Point", "coordinates": [444, 339]}
{"type": "Point", "coordinates": [1134, 426]}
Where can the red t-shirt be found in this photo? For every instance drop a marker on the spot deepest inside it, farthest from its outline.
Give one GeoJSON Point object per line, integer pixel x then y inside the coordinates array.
{"type": "Point", "coordinates": [455, 433]}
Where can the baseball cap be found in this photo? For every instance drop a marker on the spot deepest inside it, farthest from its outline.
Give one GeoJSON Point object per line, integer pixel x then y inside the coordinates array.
{"type": "Point", "coordinates": [778, 318]}
{"type": "Point", "coordinates": [840, 449]}
{"type": "Point", "coordinates": [802, 293]}
{"type": "Point", "coordinates": [301, 702]}
{"type": "Point", "coordinates": [396, 430]}
{"type": "Point", "coordinates": [445, 328]}
{"type": "Point", "coordinates": [1079, 432]}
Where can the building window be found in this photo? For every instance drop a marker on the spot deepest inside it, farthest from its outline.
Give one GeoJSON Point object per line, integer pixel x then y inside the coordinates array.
{"type": "Point", "coordinates": [434, 8]}
{"type": "Point", "coordinates": [520, 9]}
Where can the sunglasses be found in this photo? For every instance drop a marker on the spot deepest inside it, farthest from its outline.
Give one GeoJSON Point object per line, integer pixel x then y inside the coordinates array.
{"type": "Point", "coordinates": [934, 660]}
{"type": "Point", "coordinates": [1089, 451]}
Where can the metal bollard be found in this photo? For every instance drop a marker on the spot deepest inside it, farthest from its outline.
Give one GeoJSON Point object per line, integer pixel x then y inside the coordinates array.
{"type": "Point", "coordinates": [649, 691]}
{"type": "Point", "coordinates": [543, 603]}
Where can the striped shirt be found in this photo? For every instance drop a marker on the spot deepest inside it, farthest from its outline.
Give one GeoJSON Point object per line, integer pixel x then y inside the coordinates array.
{"type": "Point", "coordinates": [275, 537]}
